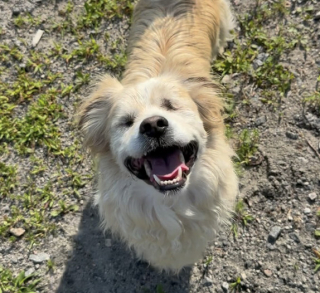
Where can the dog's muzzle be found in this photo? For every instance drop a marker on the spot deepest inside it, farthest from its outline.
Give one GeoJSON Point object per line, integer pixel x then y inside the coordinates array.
{"type": "Point", "coordinates": [165, 165]}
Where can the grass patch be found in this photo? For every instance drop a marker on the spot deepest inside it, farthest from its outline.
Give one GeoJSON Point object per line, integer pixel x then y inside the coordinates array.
{"type": "Point", "coordinates": [241, 218]}
{"type": "Point", "coordinates": [316, 260]}
{"type": "Point", "coordinates": [8, 179]}
{"type": "Point", "coordinates": [236, 285]}
{"type": "Point", "coordinates": [96, 10]}
{"type": "Point", "coordinates": [254, 41]}
{"type": "Point", "coordinates": [17, 284]}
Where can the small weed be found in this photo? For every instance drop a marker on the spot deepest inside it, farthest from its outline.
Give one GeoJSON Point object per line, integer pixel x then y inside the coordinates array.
{"type": "Point", "coordinates": [313, 101]}
{"type": "Point", "coordinates": [268, 75]}
{"type": "Point", "coordinates": [247, 145]}
{"type": "Point", "coordinates": [26, 21]}
{"type": "Point", "coordinates": [241, 217]}
{"type": "Point", "coordinates": [8, 179]}
{"type": "Point", "coordinates": [50, 266]}
{"type": "Point", "coordinates": [236, 286]}
{"type": "Point", "coordinates": [96, 10]}
{"type": "Point", "coordinates": [316, 260]}
{"type": "Point", "coordinates": [18, 284]}
{"type": "Point", "coordinates": [64, 208]}
{"type": "Point", "coordinates": [159, 289]}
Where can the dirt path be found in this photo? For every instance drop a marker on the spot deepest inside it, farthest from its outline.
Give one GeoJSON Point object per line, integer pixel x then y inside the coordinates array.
{"type": "Point", "coordinates": [49, 230]}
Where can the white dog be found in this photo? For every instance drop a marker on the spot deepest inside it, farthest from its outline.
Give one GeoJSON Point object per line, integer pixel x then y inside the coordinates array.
{"type": "Point", "coordinates": [166, 179]}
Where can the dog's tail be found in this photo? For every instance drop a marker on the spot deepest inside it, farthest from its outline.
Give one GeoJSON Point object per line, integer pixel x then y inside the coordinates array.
{"type": "Point", "coordinates": [227, 24]}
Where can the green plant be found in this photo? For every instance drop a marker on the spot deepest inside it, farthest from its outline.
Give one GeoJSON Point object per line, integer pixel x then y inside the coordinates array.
{"type": "Point", "coordinates": [18, 284]}
{"type": "Point", "coordinates": [159, 289]}
{"type": "Point", "coordinates": [96, 10]}
{"type": "Point", "coordinates": [316, 260]}
{"type": "Point", "coordinates": [247, 145]}
{"type": "Point", "coordinates": [241, 217]}
{"type": "Point", "coordinates": [236, 286]}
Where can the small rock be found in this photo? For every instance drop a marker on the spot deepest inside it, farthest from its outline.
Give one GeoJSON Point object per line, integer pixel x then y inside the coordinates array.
{"type": "Point", "coordinates": [207, 281]}
{"type": "Point", "coordinates": [317, 16]}
{"type": "Point", "coordinates": [226, 79]}
{"type": "Point", "coordinates": [16, 11]}
{"type": "Point", "coordinates": [291, 135]}
{"type": "Point", "coordinates": [243, 276]}
{"type": "Point", "coordinates": [108, 242]}
{"type": "Point", "coordinates": [37, 38]}
{"type": "Point", "coordinates": [268, 273]}
{"type": "Point", "coordinates": [295, 237]}
{"type": "Point", "coordinates": [17, 231]}
{"type": "Point", "coordinates": [307, 211]}
{"type": "Point", "coordinates": [261, 120]}
{"type": "Point", "coordinates": [263, 56]}
{"type": "Point", "coordinates": [312, 196]}
{"type": "Point", "coordinates": [40, 257]}
{"type": "Point", "coordinates": [257, 63]}
{"type": "Point", "coordinates": [225, 287]}
{"type": "Point", "coordinates": [29, 272]}
{"type": "Point", "coordinates": [274, 234]}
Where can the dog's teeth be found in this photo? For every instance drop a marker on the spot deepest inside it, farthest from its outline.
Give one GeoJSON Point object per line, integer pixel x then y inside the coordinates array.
{"type": "Point", "coordinates": [181, 156]}
{"type": "Point", "coordinates": [174, 180]}
{"type": "Point", "coordinates": [147, 167]}
{"type": "Point", "coordinates": [179, 174]}
{"type": "Point", "coordinates": [157, 179]}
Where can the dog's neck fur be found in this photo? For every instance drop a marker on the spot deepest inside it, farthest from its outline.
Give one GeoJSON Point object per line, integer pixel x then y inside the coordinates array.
{"type": "Point", "coordinates": [158, 43]}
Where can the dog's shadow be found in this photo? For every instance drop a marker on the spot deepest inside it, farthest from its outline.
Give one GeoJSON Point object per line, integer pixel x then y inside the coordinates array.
{"type": "Point", "coordinates": [101, 264]}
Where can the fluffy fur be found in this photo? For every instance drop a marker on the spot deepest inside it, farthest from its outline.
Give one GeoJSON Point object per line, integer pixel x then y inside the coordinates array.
{"type": "Point", "coordinates": [171, 46]}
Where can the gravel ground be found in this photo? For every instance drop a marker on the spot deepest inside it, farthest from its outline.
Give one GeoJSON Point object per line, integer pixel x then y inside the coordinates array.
{"type": "Point", "coordinates": [280, 186]}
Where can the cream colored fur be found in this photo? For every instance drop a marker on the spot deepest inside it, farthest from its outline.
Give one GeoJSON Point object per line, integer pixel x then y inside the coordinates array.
{"type": "Point", "coordinates": [170, 49]}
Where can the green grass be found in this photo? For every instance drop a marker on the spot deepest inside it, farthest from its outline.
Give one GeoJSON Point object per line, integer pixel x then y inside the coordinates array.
{"type": "Point", "coordinates": [236, 285]}
{"type": "Point", "coordinates": [17, 284]}
{"type": "Point", "coordinates": [97, 10]}
{"type": "Point", "coordinates": [313, 100]}
{"type": "Point", "coordinates": [241, 218]}
{"type": "Point", "coordinates": [271, 77]}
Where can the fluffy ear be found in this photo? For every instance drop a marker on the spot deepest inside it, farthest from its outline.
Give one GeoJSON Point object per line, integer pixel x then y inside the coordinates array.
{"type": "Point", "coordinates": [93, 114]}
{"type": "Point", "coordinates": [205, 93]}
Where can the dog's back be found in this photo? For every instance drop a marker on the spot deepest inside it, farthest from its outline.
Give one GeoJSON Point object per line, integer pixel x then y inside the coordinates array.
{"type": "Point", "coordinates": [169, 34]}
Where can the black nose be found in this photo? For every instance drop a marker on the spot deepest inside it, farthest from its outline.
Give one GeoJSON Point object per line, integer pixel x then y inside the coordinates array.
{"type": "Point", "coordinates": [154, 126]}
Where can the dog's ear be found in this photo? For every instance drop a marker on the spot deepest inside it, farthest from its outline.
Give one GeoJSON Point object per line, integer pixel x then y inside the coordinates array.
{"type": "Point", "coordinates": [206, 94]}
{"type": "Point", "coordinates": [93, 114]}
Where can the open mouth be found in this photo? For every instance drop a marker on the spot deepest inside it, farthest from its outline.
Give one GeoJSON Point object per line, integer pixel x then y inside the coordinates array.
{"type": "Point", "coordinates": [166, 168]}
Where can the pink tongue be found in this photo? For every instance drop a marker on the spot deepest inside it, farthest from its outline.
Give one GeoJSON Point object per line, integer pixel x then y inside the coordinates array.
{"type": "Point", "coordinates": [166, 167]}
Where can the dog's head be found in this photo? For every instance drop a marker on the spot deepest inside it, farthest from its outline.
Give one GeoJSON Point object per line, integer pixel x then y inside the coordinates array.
{"type": "Point", "coordinates": [156, 129]}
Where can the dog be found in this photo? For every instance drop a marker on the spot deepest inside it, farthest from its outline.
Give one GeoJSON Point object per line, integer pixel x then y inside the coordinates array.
{"type": "Point", "coordinates": [166, 182]}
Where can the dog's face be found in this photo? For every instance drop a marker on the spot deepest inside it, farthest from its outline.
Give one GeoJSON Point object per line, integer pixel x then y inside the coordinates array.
{"type": "Point", "coordinates": [154, 130]}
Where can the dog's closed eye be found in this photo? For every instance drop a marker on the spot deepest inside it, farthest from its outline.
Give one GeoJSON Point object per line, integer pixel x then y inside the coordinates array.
{"type": "Point", "coordinates": [168, 105]}
{"type": "Point", "coordinates": [127, 121]}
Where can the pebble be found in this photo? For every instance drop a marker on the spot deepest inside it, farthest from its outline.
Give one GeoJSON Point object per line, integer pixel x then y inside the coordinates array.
{"type": "Point", "coordinates": [17, 231]}
{"type": "Point", "coordinates": [317, 16]}
{"type": "Point", "coordinates": [261, 120]}
{"type": "Point", "coordinates": [207, 281]}
{"type": "Point", "coordinates": [40, 257]}
{"type": "Point", "coordinates": [312, 196]}
{"type": "Point", "coordinates": [226, 79]}
{"type": "Point", "coordinates": [225, 287]}
{"type": "Point", "coordinates": [291, 135]}
{"type": "Point", "coordinates": [267, 272]}
{"type": "Point", "coordinates": [295, 237]}
{"type": "Point", "coordinates": [307, 211]}
{"type": "Point", "coordinates": [29, 272]}
{"type": "Point", "coordinates": [274, 234]}
{"type": "Point", "coordinates": [257, 63]}
{"type": "Point", "coordinates": [108, 242]}
{"type": "Point", "coordinates": [37, 38]}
